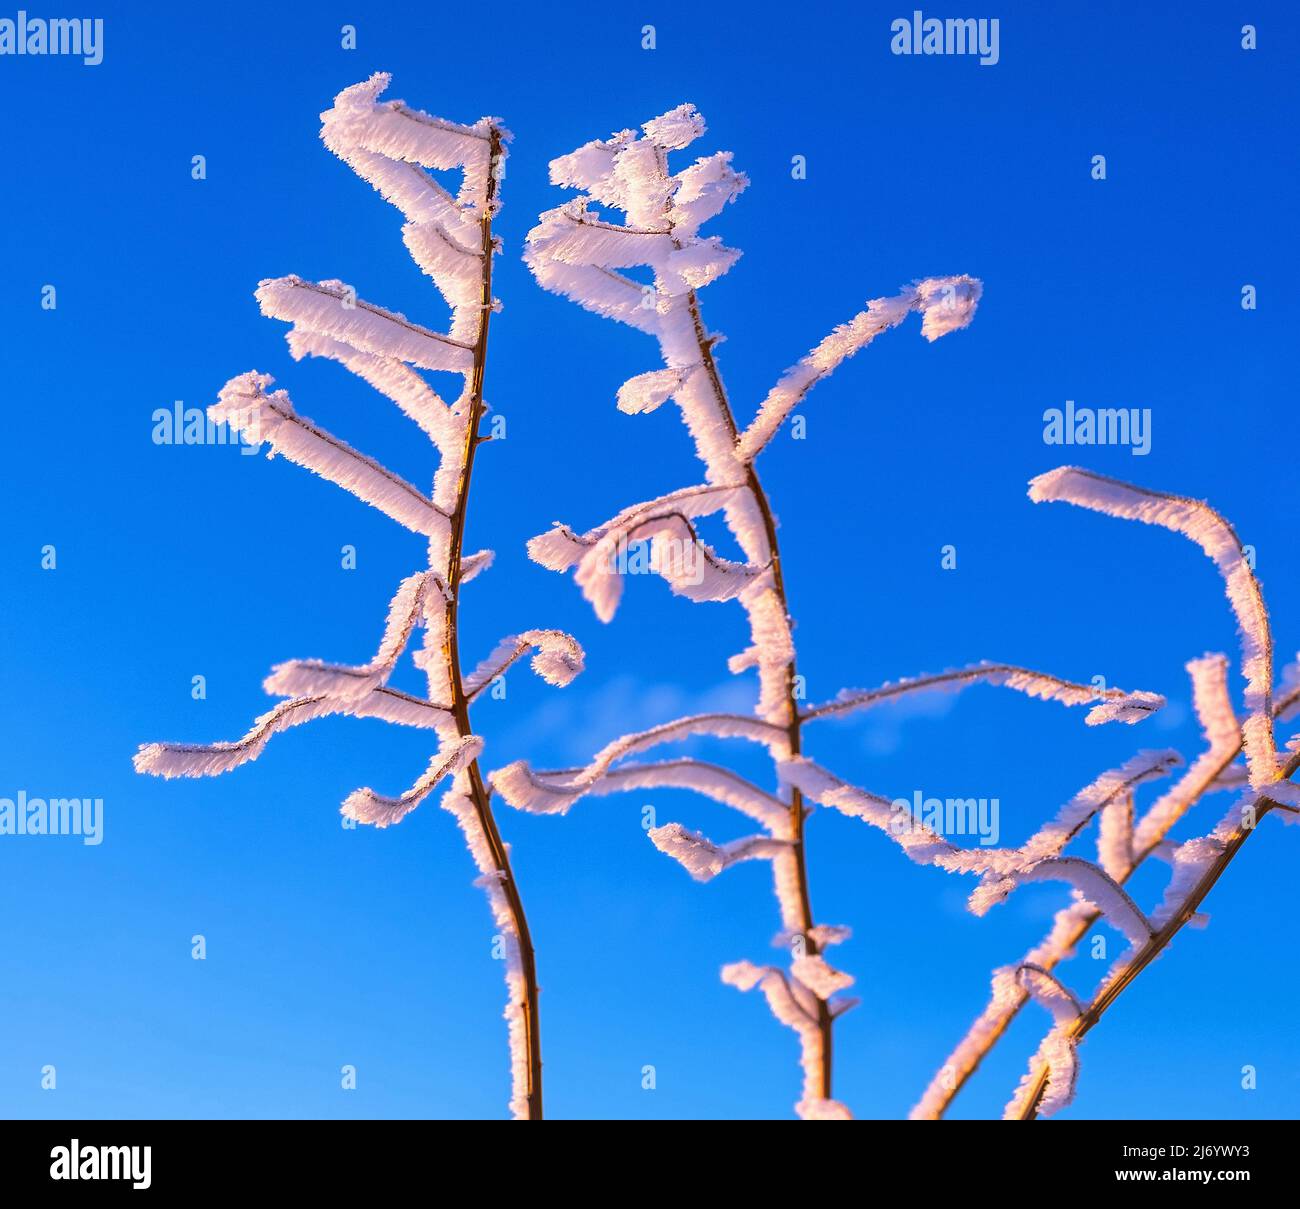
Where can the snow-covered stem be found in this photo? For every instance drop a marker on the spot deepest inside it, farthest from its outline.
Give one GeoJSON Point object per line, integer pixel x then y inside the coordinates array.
{"type": "Point", "coordinates": [821, 1089]}
{"type": "Point", "coordinates": [576, 251]}
{"type": "Point", "coordinates": [451, 239]}
{"type": "Point", "coordinates": [1072, 924]}
{"type": "Point", "coordinates": [1002, 869]}
{"type": "Point", "coordinates": [1199, 523]}
{"type": "Point", "coordinates": [1180, 913]}
{"type": "Point", "coordinates": [479, 793]}
{"type": "Point", "coordinates": [1198, 864]}
{"type": "Point", "coordinates": [807, 925]}
{"type": "Point", "coordinates": [1108, 705]}
{"type": "Point", "coordinates": [1226, 738]}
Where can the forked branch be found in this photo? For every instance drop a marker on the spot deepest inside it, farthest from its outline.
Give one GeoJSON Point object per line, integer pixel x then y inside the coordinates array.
{"type": "Point", "coordinates": [1123, 845]}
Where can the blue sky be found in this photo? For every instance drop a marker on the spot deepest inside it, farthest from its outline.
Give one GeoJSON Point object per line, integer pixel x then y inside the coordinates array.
{"type": "Point", "coordinates": [329, 946]}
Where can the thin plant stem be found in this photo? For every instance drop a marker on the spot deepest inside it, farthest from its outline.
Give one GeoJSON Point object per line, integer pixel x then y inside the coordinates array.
{"type": "Point", "coordinates": [825, 1020]}
{"type": "Point", "coordinates": [479, 793]}
{"type": "Point", "coordinates": [960, 1078]}
{"type": "Point", "coordinates": [1121, 978]}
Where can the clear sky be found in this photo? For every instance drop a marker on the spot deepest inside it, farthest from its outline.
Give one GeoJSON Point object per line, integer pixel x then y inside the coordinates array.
{"type": "Point", "coordinates": [328, 946]}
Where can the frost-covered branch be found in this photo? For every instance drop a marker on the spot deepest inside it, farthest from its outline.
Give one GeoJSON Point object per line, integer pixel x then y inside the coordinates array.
{"type": "Point", "coordinates": [557, 659]}
{"type": "Point", "coordinates": [1197, 866]}
{"type": "Point", "coordinates": [367, 806]}
{"type": "Point", "coordinates": [1123, 844]}
{"type": "Point", "coordinates": [450, 238]}
{"type": "Point", "coordinates": [1200, 523]}
{"type": "Point", "coordinates": [1197, 863]}
{"type": "Point", "coordinates": [947, 304]}
{"type": "Point", "coordinates": [703, 859]}
{"type": "Point", "coordinates": [709, 780]}
{"type": "Point", "coordinates": [191, 760]}
{"type": "Point", "coordinates": [579, 252]}
{"type": "Point", "coordinates": [554, 792]}
{"type": "Point", "coordinates": [1057, 1051]}
{"type": "Point", "coordinates": [1002, 869]}
{"type": "Point", "coordinates": [1108, 705]}
{"type": "Point", "coordinates": [407, 611]}
{"type": "Point", "coordinates": [260, 417]}
{"type": "Point", "coordinates": [1147, 838]}
{"type": "Point", "coordinates": [798, 1007]}
{"type": "Point", "coordinates": [690, 567]}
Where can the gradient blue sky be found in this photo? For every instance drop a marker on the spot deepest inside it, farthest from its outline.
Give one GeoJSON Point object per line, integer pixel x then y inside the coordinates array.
{"type": "Point", "coordinates": [328, 946]}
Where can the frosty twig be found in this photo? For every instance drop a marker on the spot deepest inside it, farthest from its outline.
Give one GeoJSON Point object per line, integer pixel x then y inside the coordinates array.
{"type": "Point", "coordinates": [451, 239]}
{"type": "Point", "coordinates": [1124, 845]}
{"type": "Point", "coordinates": [576, 251]}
